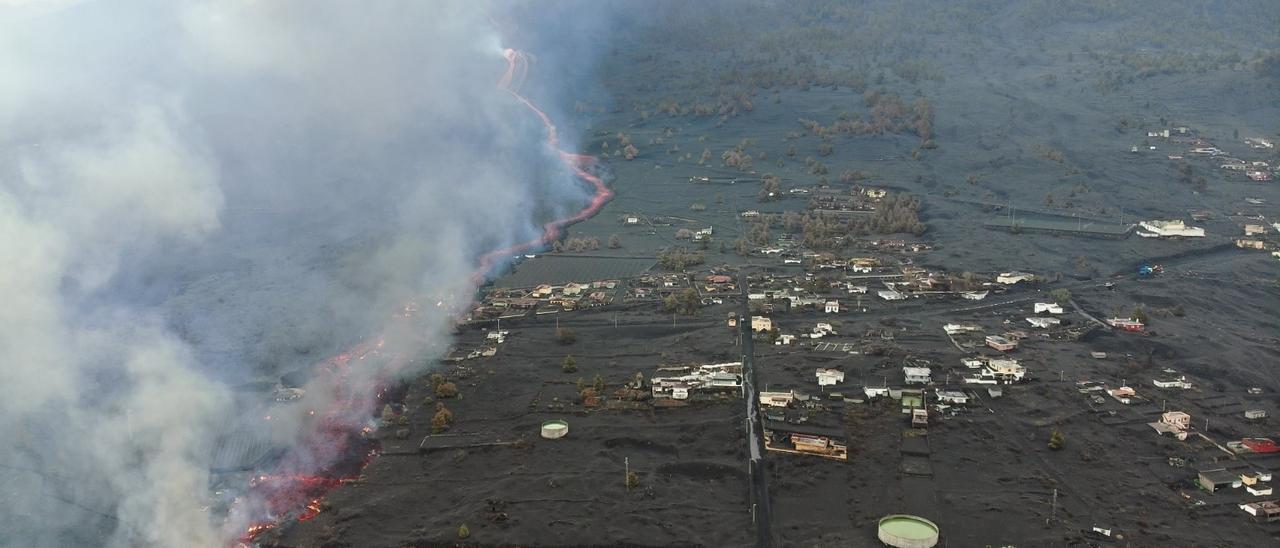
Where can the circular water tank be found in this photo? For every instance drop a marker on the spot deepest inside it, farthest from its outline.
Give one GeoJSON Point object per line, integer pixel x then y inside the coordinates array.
{"type": "Point", "coordinates": [554, 430]}
{"type": "Point", "coordinates": [904, 531]}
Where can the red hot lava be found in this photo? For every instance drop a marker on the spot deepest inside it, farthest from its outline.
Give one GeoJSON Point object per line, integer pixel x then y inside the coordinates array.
{"type": "Point", "coordinates": [335, 450]}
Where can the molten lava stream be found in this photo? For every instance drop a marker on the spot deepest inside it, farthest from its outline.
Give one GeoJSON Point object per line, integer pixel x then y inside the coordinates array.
{"type": "Point", "coordinates": [299, 488]}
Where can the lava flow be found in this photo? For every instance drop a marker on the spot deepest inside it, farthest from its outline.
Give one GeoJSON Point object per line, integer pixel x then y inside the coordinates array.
{"type": "Point", "coordinates": [336, 449]}
{"type": "Point", "coordinates": [517, 68]}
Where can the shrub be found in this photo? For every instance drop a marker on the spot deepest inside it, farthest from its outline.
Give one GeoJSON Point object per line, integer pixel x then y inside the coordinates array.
{"type": "Point", "coordinates": [442, 419]}
{"type": "Point", "coordinates": [464, 532]}
{"type": "Point", "coordinates": [569, 365]}
{"type": "Point", "coordinates": [589, 396]}
{"type": "Point", "coordinates": [633, 480]}
{"type": "Point", "coordinates": [566, 336]}
{"type": "Point", "coordinates": [446, 390]}
{"type": "Point", "coordinates": [1057, 440]}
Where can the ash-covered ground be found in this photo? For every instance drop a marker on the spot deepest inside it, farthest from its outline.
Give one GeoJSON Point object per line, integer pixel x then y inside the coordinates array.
{"type": "Point", "coordinates": [1010, 141]}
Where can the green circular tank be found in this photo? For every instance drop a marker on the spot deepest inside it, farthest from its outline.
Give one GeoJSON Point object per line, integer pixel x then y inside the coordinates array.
{"type": "Point", "coordinates": [905, 531]}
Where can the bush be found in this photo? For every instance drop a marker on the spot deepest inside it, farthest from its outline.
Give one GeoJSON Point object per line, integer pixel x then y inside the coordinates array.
{"type": "Point", "coordinates": [598, 384]}
{"type": "Point", "coordinates": [569, 365]}
{"type": "Point", "coordinates": [446, 390]}
{"type": "Point", "coordinates": [464, 532]}
{"type": "Point", "coordinates": [1139, 315]}
{"type": "Point", "coordinates": [589, 396]}
{"type": "Point", "coordinates": [1060, 296]}
{"type": "Point", "coordinates": [442, 419]}
{"type": "Point", "coordinates": [633, 480]}
{"type": "Point", "coordinates": [1057, 440]}
{"type": "Point", "coordinates": [566, 336]}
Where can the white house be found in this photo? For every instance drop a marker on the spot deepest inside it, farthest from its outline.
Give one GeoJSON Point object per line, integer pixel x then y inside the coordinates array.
{"type": "Point", "coordinates": [974, 295]}
{"type": "Point", "coordinates": [953, 328]}
{"type": "Point", "coordinates": [785, 340]}
{"type": "Point", "coordinates": [954, 397]}
{"type": "Point", "coordinates": [1004, 369]}
{"type": "Point", "coordinates": [761, 323]}
{"type": "Point", "coordinates": [891, 295]}
{"type": "Point", "coordinates": [972, 363]}
{"type": "Point", "coordinates": [873, 392]}
{"type": "Point", "coordinates": [777, 399]}
{"type": "Point", "coordinates": [859, 289]}
{"type": "Point", "coordinates": [916, 375]}
{"type": "Point", "coordinates": [832, 307]}
{"type": "Point", "coordinates": [1043, 323]}
{"type": "Point", "coordinates": [829, 377]}
{"type": "Point", "coordinates": [1052, 308]}
{"type": "Point", "coordinates": [1010, 278]}
{"type": "Point", "coordinates": [1179, 383]}
{"type": "Point", "coordinates": [1170, 229]}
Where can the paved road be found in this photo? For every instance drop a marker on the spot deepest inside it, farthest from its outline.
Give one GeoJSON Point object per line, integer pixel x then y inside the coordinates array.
{"type": "Point", "coordinates": [760, 506]}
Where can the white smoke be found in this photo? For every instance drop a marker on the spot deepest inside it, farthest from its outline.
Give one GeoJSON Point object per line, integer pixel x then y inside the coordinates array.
{"type": "Point", "coordinates": [199, 194]}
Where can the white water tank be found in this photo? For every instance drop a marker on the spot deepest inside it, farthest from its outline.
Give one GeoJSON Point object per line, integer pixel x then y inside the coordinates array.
{"type": "Point", "coordinates": [554, 430]}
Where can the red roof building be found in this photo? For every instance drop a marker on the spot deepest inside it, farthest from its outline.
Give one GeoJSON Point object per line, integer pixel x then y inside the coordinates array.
{"type": "Point", "coordinates": [1261, 445]}
{"type": "Point", "coordinates": [1126, 325]}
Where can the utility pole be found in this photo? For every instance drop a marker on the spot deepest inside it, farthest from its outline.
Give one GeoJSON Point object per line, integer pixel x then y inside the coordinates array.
{"type": "Point", "coordinates": [1054, 512]}
{"type": "Point", "coordinates": [626, 480]}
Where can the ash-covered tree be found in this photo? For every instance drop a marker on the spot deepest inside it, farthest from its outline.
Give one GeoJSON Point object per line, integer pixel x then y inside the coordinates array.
{"type": "Point", "coordinates": [566, 336]}
{"type": "Point", "coordinates": [614, 241]}
{"type": "Point", "coordinates": [770, 188]}
{"type": "Point", "coordinates": [446, 390]}
{"type": "Point", "coordinates": [853, 176]}
{"type": "Point", "coordinates": [442, 419]}
{"type": "Point", "coordinates": [679, 259]}
{"type": "Point", "coordinates": [737, 159]}
{"type": "Point", "coordinates": [759, 233]}
{"type": "Point", "coordinates": [690, 302]}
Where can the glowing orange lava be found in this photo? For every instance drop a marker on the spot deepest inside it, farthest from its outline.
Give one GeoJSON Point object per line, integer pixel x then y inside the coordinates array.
{"type": "Point", "coordinates": [337, 449]}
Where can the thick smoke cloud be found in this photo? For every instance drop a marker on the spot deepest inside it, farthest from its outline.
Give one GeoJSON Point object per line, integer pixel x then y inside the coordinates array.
{"type": "Point", "coordinates": [199, 196]}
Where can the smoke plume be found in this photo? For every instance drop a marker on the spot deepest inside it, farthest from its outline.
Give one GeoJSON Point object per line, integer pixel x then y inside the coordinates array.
{"type": "Point", "coordinates": [198, 197]}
